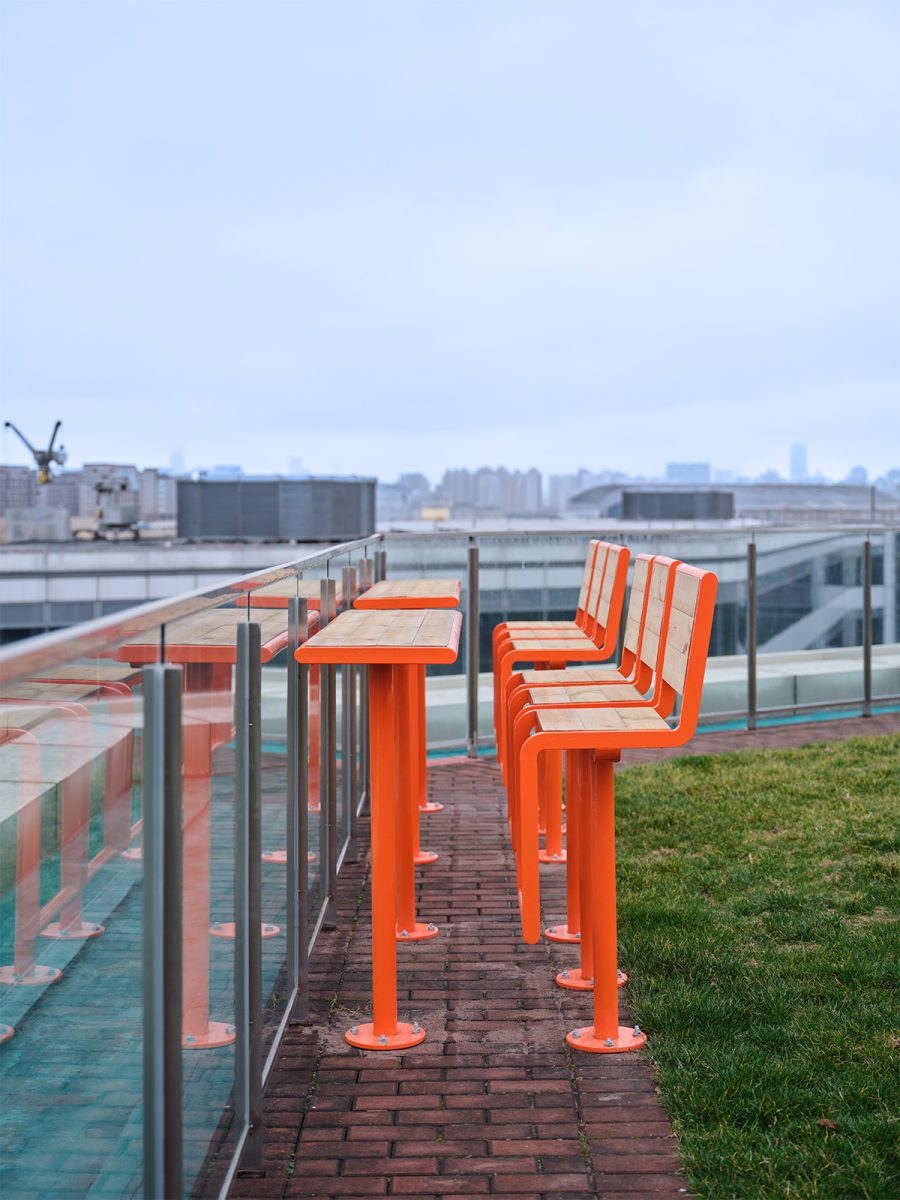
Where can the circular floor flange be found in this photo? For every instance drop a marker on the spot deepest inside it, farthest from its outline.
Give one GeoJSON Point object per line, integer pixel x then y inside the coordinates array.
{"type": "Point", "coordinates": [6, 1032]}
{"type": "Point", "coordinates": [226, 929]}
{"type": "Point", "coordinates": [74, 933]}
{"type": "Point", "coordinates": [628, 1039]}
{"type": "Point", "coordinates": [560, 933]}
{"type": "Point", "coordinates": [431, 806]}
{"type": "Point", "coordinates": [278, 858]}
{"type": "Point", "coordinates": [552, 859]}
{"type": "Point", "coordinates": [217, 1034]}
{"type": "Point", "coordinates": [363, 1037]}
{"type": "Point", "coordinates": [420, 932]}
{"type": "Point", "coordinates": [36, 976]}
{"type": "Point", "coordinates": [425, 856]}
{"type": "Point", "coordinates": [133, 854]}
{"type": "Point", "coordinates": [576, 982]}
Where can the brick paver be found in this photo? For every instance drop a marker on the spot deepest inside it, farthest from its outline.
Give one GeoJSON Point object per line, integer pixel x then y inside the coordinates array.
{"type": "Point", "coordinates": [493, 1103]}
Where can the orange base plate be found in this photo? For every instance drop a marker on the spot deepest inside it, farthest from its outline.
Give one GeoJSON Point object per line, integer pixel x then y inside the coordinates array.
{"type": "Point", "coordinates": [420, 932]}
{"type": "Point", "coordinates": [431, 806]}
{"type": "Point", "coordinates": [561, 933]}
{"type": "Point", "coordinates": [217, 1034]}
{"type": "Point", "coordinates": [226, 929]}
{"type": "Point", "coordinates": [6, 1032]}
{"type": "Point", "coordinates": [363, 1037]}
{"type": "Point", "coordinates": [628, 1039]}
{"type": "Point", "coordinates": [279, 857]}
{"type": "Point", "coordinates": [75, 933]}
{"type": "Point", "coordinates": [576, 982]}
{"type": "Point", "coordinates": [424, 857]}
{"type": "Point", "coordinates": [36, 976]}
{"type": "Point", "coordinates": [544, 857]}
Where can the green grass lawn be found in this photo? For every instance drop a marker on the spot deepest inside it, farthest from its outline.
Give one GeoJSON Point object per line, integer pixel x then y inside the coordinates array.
{"type": "Point", "coordinates": [758, 905]}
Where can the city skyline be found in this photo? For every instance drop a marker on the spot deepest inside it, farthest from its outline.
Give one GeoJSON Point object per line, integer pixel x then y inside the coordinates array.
{"type": "Point", "coordinates": [459, 233]}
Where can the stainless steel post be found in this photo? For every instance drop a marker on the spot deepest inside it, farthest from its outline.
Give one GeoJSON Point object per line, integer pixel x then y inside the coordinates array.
{"type": "Point", "coordinates": [867, 627]}
{"type": "Point", "coordinates": [248, 892]}
{"type": "Point", "coordinates": [328, 760]}
{"type": "Point", "coordinates": [348, 732]}
{"type": "Point", "coordinates": [297, 814]}
{"type": "Point", "coordinates": [380, 565]}
{"type": "Point", "coordinates": [472, 654]}
{"type": "Point", "coordinates": [751, 635]}
{"type": "Point", "coordinates": [162, 859]}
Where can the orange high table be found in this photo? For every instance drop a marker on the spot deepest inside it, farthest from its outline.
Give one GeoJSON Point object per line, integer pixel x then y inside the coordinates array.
{"type": "Point", "coordinates": [394, 645]}
{"type": "Point", "coordinates": [415, 593]}
{"type": "Point", "coordinates": [206, 644]}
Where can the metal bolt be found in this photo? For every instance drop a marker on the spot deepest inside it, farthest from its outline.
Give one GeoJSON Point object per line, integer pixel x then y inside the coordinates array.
{"type": "Point", "coordinates": [18, 979]}
{"type": "Point", "coordinates": [576, 1033]}
{"type": "Point", "coordinates": [637, 1031]}
{"type": "Point", "coordinates": [608, 1042]}
{"type": "Point", "coordinates": [189, 1039]}
{"type": "Point", "coordinates": [551, 929]}
{"type": "Point", "coordinates": [383, 1039]}
{"type": "Point", "coordinates": [416, 1027]}
{"type": "Point", "coordinates": [217, 925]}
{"type": "Point", "coordinates": [565, 974]}
{"type": "Point", "coordinates": [556, 856]}
{"type": "Point", "coordinates": [431, 926]}
{"type": "Point", "coordinates": [354, 1029]}
{"type": "Point", "coordinates": [578, 935]}
{"type": "Point", "coordinates": [229, 1029]}
{"type": "Point", "coordinates": [403, 933]}
{"type": "Point", "coordinates": [591, 980]}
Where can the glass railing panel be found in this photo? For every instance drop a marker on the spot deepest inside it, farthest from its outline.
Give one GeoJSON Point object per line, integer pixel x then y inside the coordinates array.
{"type": "Point", "coordinates": [885, 614]}
{"type": "Point", "coordinates": [71, 927]}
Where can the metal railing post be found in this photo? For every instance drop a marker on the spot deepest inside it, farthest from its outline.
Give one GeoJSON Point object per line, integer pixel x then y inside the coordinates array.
{"type": "Point", "coordinates": [348, 731]}
{"type": "Point", "coordinates": [380, 565]}
{"type": "Point", "coordinates": [472, 653]}
{"type": "Point", "coordinates": [328, 760]}
{"type": "Point", "coordinates": [297, 812]}
{"type": "Point", "coordinates": [751, 635]}
{"type": "Point", "coordinates": [867, 628]}
{"type": "Point", "coordinates": [162, 858]}
{"type": "Point", "coordinates": [248, 892]}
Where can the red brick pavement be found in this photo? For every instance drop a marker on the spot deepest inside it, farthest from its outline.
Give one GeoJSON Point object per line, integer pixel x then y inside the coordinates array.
{"type": "Point", "coordinates": [493, 1102]}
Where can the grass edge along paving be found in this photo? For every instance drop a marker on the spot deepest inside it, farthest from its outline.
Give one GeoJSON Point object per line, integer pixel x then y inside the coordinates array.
{"type": "Point", "coordinates": [758, 924]}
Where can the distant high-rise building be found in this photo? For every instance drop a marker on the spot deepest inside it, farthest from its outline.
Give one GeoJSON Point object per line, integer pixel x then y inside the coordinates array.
{"type": "Point", "coordinates": [695, 472]}
{"type": "Point", "coordinates": [799, 465]}
{"type": "Point", "coordinates": [858, 475]}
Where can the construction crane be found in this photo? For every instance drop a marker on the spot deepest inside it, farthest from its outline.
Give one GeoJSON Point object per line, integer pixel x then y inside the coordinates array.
{"type": "Point", "coordinates": [44, 458]}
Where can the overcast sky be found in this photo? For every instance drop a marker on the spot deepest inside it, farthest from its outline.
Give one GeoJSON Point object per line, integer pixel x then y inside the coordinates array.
{"type": "Point", "coordinates": [379, 235]}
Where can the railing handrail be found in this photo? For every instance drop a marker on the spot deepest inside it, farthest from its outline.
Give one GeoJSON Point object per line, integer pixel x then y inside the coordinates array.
{"type": "Point", "coordinates": [25, 658]}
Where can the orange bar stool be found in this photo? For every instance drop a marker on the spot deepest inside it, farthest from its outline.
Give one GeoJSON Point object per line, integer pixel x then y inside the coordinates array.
{"type": "Point", "coordinates": [604, 732]}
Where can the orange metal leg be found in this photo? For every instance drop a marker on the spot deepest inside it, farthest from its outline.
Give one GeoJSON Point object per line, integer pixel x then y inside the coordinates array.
{"type": "Point", "coordinates": [425, 805]}
{"type": "Point", "coordinates": [407, 750]}
{"type": "Point", "coordinates": [607, 1036]}
{"type": "Point", "coordinates": [75, 819]}
{"type": "Point", "coordinates": [384, 1031]}
{"type": "Point", "coordinates": [551, 788]}
{"type": "Point", "coordinates": [24, 971]}
{"type": "Point", "coordinates": [571, 931]}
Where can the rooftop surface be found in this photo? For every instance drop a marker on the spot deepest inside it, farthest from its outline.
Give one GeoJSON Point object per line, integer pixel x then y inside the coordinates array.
{"type": "Point", "coordinates": [492, 1103]}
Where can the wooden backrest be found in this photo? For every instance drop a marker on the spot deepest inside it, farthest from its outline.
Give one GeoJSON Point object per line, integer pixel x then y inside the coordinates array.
{"type": "Point", "coordinates": [658, 596]}
{"type": "Point", "coordinates": [637, 604]}
{"type": "Point", "coordinates": [687, 632]}
{"type": "Point", "coordinates": [589, 559]}
{"type": "Point", "coordinates": [608, 614]}
{"type": "Point", "coordinates": [593, 599]}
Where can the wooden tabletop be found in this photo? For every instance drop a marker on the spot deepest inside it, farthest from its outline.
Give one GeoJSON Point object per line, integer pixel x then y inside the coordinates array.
{"type": "Point", "coordinates": [47, 693]}
{"type": "Point", "coordinates": [411, 593]}
{"type": "Point", "coordinates": [89, 673]}
{"type": "Point", "coordinates": [386, 637]}
{"type": "Point", "coordinates": [207, 637]}
{"type": "Point", "coordinates": [276, 595]}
